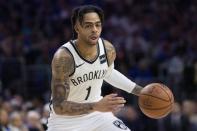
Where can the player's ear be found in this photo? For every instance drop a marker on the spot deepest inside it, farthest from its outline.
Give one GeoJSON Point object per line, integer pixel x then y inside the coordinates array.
{"type": "Point", "coordinates": [76, 27]}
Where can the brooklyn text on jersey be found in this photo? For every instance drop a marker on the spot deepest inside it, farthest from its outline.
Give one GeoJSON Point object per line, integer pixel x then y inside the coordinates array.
{"type": "Point", "coordinates": [97, 74]}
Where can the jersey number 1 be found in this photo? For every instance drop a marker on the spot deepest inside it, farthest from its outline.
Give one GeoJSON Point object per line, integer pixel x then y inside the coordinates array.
{"type": "Point", "coordinates": [88, 89]}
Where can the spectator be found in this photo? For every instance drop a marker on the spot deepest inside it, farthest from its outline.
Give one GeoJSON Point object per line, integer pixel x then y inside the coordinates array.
{"type": "Point", "coordinates": [4, 121]}
{"type": "Point", "coordinates": [16, 122]}
{"type": "Point", "coordinates": [33, 121]}
{"type": "Point", "coordinates": [190, 110]}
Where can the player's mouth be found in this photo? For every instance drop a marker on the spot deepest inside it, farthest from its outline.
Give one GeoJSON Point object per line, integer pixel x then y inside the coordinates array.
{"type": "Point", "coordinates": [93, 37]}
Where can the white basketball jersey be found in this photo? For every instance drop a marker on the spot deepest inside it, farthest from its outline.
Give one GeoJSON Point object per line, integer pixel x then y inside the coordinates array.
{"type": "Point", "coordinates": [85, 86]}
{"type": "Point", "coordinates": [87, 79]}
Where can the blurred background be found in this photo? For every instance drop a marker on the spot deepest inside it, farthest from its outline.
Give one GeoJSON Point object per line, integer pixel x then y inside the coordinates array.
{"type": "Point", "coordinates": [155, 40]}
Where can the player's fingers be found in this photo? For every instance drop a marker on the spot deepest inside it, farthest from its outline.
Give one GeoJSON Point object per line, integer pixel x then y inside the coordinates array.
{"type": "Point", "coordinates": [117, 102]}
{"type": "Point", "coordinates": [117, 98]}
{"type": "Point", "coordinates": [111, 95]}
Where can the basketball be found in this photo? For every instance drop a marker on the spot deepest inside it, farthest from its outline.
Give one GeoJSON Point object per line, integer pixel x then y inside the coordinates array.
{"type": "Point", "coordinates": [156, 100]}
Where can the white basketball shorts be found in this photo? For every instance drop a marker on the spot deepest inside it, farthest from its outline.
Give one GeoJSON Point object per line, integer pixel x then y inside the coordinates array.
{"type": "Point", "coordinates": [96, 121]}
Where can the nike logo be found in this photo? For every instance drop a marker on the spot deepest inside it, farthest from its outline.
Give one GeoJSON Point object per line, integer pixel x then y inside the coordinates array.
{"type": "Point", "coordinates": [79, 65]}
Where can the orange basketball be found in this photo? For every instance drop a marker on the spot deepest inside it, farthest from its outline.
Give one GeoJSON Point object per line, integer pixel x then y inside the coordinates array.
{"type": "Point", "coordinates": [156, 100]}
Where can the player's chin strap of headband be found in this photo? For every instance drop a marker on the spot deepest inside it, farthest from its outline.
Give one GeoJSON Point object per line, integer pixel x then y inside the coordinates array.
{"type": "Point", "coordinates": [118, 80]}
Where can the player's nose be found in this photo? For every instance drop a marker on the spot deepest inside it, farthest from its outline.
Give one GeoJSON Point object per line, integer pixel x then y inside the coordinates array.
{"type": "Point", "coordinates": [94, 29]}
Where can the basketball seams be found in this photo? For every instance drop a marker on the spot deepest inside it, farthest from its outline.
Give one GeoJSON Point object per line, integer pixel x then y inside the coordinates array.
{"type": "Point", "coordinates": [144, 107]}
{"type": "Point", "coordinates": [163, 114]}
{"type": "Point", "coordinates": [166, 91]}
{"type": "Point", "coordinates": [155, 97]}
{"type": "Point", "coordinates": [162, 87]}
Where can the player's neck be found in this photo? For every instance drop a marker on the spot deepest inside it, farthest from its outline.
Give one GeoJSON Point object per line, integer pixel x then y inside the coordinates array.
{"type": "Point", "coordinates": [88, 52]}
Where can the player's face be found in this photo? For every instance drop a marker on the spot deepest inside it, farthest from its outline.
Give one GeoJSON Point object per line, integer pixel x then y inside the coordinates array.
{"type": "Point", "coordinates": [90, 29]}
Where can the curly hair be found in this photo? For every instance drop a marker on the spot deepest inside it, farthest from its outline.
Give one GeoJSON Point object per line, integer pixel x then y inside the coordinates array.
{"type": "Point", "coordinates": [79, 12]}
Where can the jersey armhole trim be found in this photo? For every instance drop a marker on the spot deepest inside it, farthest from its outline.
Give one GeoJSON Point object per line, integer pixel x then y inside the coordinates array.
{"type": "Point", "coordinates": [105, 51]}
{"type": "Point", "coordinates": [50, 111]}
{"type": "Point", "coordinates": [72, 58]}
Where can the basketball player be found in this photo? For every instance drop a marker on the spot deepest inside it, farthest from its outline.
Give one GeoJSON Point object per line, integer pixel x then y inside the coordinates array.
{"type": "Point", "coordinates": [78, 70]}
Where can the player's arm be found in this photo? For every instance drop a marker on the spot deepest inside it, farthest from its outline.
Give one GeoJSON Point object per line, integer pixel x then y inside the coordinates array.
{"type": "Point", "coordinates": [62, 67]}
{"type": "Point", "coordinates": [114, 77]}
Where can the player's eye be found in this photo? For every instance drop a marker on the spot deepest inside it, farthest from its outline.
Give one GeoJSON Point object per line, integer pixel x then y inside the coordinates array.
{"type": "Point", "coordinates": [98, 25]}
{"type": "Point", "coordinates": [88, 26]}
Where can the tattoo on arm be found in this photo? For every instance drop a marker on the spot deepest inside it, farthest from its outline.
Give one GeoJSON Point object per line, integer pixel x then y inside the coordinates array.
{"type": "Point", "coordinates": [62, 66]}
{"type": "Point", "coordinates": [111, 52]}
{"type": "Point", "coordinates": [137, 89]}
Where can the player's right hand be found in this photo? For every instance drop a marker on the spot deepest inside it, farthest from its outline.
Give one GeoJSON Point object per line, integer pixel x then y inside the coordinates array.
{"type": "Point", "coordinates": [109, 103]}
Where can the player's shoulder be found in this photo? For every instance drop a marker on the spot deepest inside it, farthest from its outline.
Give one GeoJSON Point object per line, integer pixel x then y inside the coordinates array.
{"type": "Point", "coordinates": [110, 50]}
{"type": "Point", "coordinates": [64, 58]}
{"type": "Point", "coordinates": [62, 52]}
{"type": "Point", "coordinates": [108, 44]}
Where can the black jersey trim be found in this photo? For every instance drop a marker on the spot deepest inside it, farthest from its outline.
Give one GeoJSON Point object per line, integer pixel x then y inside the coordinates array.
{"type": "Point", "coordinates": [73, 59]}
{"type": "Point", "coordinates": [90, 62]}
{"type": "Point", "coordinates": [50, 111]}
{"type": "Point", "coordinates": [105, 51]}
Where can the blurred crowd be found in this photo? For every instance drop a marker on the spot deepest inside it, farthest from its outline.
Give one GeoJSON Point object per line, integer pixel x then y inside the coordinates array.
{"type": "Point", "coordinates": [156, 41]}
